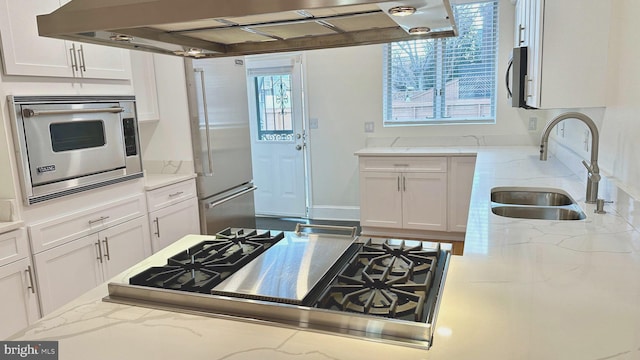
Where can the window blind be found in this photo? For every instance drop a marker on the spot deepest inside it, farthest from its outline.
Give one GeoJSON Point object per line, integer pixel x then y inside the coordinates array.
{"type": "Point", "coordinates": [451, 80]}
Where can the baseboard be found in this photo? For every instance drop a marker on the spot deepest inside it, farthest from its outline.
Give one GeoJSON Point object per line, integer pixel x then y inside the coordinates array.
{"type": "Point", "coordinates": [344, 213]}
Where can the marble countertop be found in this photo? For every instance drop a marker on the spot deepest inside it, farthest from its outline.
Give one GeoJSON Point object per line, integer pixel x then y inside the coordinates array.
{"type": "Point", "coordinates": [525, 289]}
{"type": "Point", "coordinates": [155, 181]}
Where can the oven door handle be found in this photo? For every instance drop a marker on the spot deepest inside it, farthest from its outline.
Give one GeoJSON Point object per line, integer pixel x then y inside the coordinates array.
{"type": "Point", "coordinates": [32, 113]}
{"type": "Point", "coordinates": [238, 194]}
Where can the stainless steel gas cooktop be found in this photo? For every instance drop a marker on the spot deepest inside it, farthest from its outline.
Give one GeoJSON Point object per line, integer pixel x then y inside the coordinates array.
{"type": "Point", "coordinates": [320, 278]}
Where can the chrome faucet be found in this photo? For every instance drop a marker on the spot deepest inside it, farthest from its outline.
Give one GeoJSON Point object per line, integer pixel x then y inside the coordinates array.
{"type": "Point", "coordinates": [593, 172]}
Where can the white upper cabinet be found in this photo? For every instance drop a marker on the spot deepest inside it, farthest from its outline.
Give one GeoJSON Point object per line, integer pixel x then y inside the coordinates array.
{"type": "Point", "coordinates": [567, 44]}
{"type": "Point", "coordinates": [144, 85]}
{"type": "Point", "coordinates": [26, 53]}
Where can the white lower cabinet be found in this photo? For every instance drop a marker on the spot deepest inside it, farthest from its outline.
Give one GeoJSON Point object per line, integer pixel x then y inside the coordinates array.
{"type": "Point", "coordinates": [385, 208]}
{"type": "Point", "coordinates": [424, 201]}
{"type": "Point", "coordinates": [18, 292]}
{"type": "Point", "coordinates": [461, 170]}
{"type": "Point", "coordinates": [419, 195]}
{"type": "Point", "coordinates": [18, 296]}
{"type": "Point", "coordinates": [173, 213]}
{"type": "Point", "coordinates": [69, 270]}
{"type": "Point", "coordinates": [171, 223]}
{"type": "Point", "coordinates": [404, 193]}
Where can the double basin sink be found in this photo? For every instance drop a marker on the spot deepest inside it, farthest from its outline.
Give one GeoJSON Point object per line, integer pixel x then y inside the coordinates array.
{"type": "Point", "coordinates": [534, 203]}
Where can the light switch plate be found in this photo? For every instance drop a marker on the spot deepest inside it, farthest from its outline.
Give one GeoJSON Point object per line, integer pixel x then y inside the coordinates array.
{"type": "Point", "coordinates": [369, 127]}
{"type": "Point", "coordinates": [313, 123]}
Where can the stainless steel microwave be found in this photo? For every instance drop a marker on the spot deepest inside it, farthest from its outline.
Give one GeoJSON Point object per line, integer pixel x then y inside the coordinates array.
{"type": "Point", "coordinates": [68, 144]}
{"type": "Point", "coordinates": [518, 77]}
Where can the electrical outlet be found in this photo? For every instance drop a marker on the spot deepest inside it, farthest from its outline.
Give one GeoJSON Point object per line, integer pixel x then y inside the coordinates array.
{"type": "Point", "coordinates": [368, 127]}
{"type": "Point", "coordinates": [533, 123]}
{"type": "Point", "coordinates": [313, 123]}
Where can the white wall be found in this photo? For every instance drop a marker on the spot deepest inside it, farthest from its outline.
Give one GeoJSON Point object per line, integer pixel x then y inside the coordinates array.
{"type": "Point", "coordinates": [344, 90]}
{"type": "Point", "coordinates": [618, 123]}
{"type": "Point", "coordinates": [168, 141]}
{"type": "Point", "coordinates": [620, 130]}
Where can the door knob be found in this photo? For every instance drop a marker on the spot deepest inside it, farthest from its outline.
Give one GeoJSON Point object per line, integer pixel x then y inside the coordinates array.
{"type": "Point", "coordinates": [298, 147]}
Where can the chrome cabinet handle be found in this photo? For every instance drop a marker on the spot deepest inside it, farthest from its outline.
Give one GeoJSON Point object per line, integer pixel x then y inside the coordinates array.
{"type": "Point", "coordinates": [31, 286]}
{"type": "Point", "coordinates": [398, 183]}
{"type": "Point", "coordinates": [404, 183]}
{"type": "Point", "coordinates": [176, 194]}
{"type": "Point", "coordinates": [97, 244]}
{"type": "Point", "coordinates": [106, 248]}
{"type": "Point", "coordinates": [102, 218]}
{"type": "Point", "coordinates": [74, 58]}
{"type": "Point", "coordinates": [83, 66]}
{"type": "Point", "coordinates": [157, 221]}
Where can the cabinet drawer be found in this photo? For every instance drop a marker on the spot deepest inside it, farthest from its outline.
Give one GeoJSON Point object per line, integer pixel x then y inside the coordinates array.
{"type": "Point", "coordinates": [60, 230]}
{"type": "Point", "coordinates": [13, 246]}
{"type": "Point", "coordinates": [170, 194]}
{"type": "Point", "coordinates": [404, 164]}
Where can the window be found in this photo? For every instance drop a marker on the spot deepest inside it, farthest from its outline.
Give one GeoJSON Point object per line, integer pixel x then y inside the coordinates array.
{"type": "Point", "coordinates": [444, 81]}
{"type": "Point", "coordinates": [273, 107]}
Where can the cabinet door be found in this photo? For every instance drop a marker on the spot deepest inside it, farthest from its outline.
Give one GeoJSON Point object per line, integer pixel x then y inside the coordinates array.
{"type": "Point", "coordinates": [102, 62]}
{"type": "Point", "coordinates": [67, 271]}
{"type": "Point", "coordinates": [173, 222]}
{"type": "Point", "coordinates": [125, 245]}
{"type": "Point", "coordinates": [380, 199]}
{"type": "Point", "coordinates": [534, 53]}
{"type": "Point", "coordinates": [461, 170]}
{"type": "Point", "coordinates": [521, 35]}
{"type": "Point", "coordinates": [424, 201]}
{"type": "Point", "coordinates": [18, 297]}
{"type": "Point", "coordinates": [24, 52]}
{"type": "Point", "coordinates": [144, 84]}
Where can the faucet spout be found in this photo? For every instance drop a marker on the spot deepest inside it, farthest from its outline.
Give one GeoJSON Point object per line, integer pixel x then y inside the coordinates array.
{"type": "Point", "coordinates": [593, 171]}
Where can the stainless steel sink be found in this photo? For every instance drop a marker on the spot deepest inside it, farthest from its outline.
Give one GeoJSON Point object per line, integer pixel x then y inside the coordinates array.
{"type": "Point", "coordinates": [538, 212]}
{"type": "Point", "coordinates": [531, 197]}
{"type": "Point", "coordinates": [534, 203]}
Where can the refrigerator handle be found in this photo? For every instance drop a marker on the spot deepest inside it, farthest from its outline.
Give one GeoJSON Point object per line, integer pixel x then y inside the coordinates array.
{"type": "Point", "coordinates": [238, 194]}
{"type": "Point", "coordinates": [206, 121]}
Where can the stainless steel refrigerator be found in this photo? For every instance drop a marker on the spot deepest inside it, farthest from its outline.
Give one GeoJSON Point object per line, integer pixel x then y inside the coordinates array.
{"type": "Point", "coordinates": [219, 116]}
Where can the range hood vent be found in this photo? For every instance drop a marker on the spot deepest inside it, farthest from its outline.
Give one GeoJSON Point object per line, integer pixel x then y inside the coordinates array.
{"type": "Point", "coordinates": [217, 28]}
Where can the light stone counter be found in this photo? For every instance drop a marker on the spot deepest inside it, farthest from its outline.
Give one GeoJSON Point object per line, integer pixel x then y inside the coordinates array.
{"type": "Point", "coordinates": [155, 181]}
{"type": "Point", "coordinates": [6, 226]}
{"type": "Point", "coordinates": [525, 289]}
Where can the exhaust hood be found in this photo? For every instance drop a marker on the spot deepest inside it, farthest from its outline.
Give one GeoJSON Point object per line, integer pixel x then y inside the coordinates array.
{"type": "Point", "coordinates": [217, 28]}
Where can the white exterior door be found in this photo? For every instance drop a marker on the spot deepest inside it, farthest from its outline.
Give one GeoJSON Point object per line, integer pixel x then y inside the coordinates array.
{"type": "Point", "coordinates": [278, 139]}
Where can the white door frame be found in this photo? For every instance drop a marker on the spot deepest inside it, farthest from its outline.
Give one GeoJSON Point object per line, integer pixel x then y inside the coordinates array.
{"type": "Point", "coordinates": [282, 60]}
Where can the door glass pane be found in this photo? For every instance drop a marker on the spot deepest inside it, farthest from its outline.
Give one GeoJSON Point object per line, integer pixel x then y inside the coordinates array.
{"type": "Point", "coordinates": [273, 106]}
{"type": "Point", "coordinates": [75, 135]}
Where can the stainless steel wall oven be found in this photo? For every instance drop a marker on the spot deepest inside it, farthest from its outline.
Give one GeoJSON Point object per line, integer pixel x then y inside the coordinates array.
{"type": "Point", "coordinates": [68, 144]}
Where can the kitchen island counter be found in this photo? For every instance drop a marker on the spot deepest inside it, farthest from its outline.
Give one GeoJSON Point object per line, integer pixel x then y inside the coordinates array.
{"type": "Point", "coordinates": [524, 289]}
